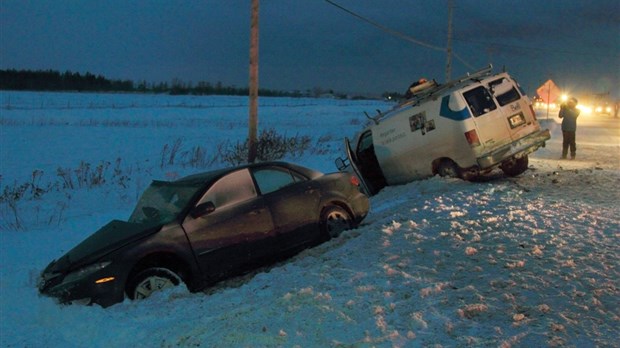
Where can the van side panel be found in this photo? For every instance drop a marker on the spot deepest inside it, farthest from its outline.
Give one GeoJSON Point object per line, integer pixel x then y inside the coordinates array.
{"type": "Point", "coordinates": [407, 143]}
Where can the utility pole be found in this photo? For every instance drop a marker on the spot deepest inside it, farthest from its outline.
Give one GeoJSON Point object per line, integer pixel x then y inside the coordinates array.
{"type": "Point", "coordinates": [253, 119]}
{"type": "Point", "coordinates": [449, 44]}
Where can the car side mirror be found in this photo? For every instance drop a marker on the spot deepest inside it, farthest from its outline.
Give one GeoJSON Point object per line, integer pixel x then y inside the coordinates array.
{"type": "Point", "coordinates": [202, 209]}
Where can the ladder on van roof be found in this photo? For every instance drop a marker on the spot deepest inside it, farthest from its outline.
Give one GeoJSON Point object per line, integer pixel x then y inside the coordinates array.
{"type": "Point", "coordinates": [442, 87]}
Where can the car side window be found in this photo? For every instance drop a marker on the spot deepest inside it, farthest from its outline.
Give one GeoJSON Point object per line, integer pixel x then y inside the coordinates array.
{"type": "Point", "coordinates": [232, 188]}
{"type": "Point", "coordinates": [273, 179]}
{"type": "Point", "coordinates": [480, 101]}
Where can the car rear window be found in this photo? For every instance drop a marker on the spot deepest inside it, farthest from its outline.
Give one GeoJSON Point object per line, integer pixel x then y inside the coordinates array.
{"type": "Point", "coordinates": [480, 101]}
{"type": "Point", "coordinates": [273, 179]}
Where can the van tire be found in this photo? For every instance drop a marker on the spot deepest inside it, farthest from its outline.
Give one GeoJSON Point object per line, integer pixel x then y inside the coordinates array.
{"type": "Point", "coordinates": [515, 167]}
{"type": "Point", "coordinates": [447, 168]}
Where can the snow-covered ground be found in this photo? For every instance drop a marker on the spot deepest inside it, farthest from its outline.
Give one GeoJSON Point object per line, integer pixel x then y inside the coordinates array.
{"type": "Point", "coordinates": [513, 262]}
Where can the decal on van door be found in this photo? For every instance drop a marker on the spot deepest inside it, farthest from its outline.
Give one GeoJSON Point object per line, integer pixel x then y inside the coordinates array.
{"type": "Point", "coordinates": [445, 111]}
{"type": "Point", "coordinates": [419, 122]}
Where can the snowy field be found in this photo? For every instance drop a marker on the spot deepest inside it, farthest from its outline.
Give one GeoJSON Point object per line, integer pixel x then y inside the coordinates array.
{"type": "Point", "coordinates": [531, 261]}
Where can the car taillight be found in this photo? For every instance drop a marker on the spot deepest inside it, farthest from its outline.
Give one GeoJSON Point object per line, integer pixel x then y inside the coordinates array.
{"type": "Point", "coordinates": [472, 138]}
{"type": "Point", "coordinates": [355, 181]}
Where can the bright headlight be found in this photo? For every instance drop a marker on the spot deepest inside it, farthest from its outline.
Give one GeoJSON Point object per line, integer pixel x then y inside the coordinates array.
{"type": "Point", "coordinates": [85, 271]}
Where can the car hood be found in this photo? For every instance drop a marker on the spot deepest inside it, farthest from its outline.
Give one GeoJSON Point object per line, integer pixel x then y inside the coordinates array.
{"type": "Point", "coordinates": [108, 238]}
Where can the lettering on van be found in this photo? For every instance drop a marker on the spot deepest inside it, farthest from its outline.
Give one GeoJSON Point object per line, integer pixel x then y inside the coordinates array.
{"type": "Point", "coordinates": [390, 136]}
{"type": "Point", "coordinates": [419, 122]}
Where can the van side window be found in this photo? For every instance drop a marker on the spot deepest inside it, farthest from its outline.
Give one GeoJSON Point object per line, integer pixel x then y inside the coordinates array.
{"type": "Point", "coordinates": [504, 91]}
{"type": "Point", "coordinates": [480, 101]}
{"type": "Point", "coordinates": [365, 142]}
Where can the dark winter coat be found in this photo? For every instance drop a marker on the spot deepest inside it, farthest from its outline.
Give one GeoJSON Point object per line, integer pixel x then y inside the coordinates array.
{"type": "Point", "coordinates": [569, 118]}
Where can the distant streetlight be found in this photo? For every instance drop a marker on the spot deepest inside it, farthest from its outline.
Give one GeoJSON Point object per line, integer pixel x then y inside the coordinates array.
{"type": "Point", "coordinates": [253, 119]}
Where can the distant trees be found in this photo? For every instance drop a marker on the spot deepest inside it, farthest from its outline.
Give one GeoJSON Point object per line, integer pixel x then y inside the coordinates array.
{"type": "Point", "coordinates": [50, 80]}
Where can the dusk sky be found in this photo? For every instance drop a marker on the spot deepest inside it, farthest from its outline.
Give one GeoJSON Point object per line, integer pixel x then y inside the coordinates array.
{"type": "Point", "coordinates": [312, 43]}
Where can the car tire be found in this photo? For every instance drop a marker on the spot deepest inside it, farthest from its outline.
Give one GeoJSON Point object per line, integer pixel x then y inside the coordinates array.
{"type": "Point", "coordinates": [334, 220]}
{"type": "Point", "coordinates": [150, 280]}
{"type": "Point", "coordinates": [515, 167]}
{"type": "Point", "coordinates": [448, 169]}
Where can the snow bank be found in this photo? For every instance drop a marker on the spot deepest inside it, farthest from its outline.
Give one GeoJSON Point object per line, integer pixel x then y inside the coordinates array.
{"type": "Point", "coordinates": [526, 261]}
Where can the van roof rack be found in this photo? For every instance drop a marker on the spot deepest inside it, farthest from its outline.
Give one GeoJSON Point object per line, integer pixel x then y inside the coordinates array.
{"type": "Point", "coordinates": [431, 91]}
{"type": "Point", "coordinates": [444, 86]}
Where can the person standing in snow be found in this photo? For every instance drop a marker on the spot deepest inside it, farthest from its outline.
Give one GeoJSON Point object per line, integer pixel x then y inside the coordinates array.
{"type": "Point", "coordinates": [569, 114]}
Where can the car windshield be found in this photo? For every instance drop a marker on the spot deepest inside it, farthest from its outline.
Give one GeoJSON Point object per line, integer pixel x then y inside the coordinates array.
{"type": "Point", "coordinates": [163, 201]}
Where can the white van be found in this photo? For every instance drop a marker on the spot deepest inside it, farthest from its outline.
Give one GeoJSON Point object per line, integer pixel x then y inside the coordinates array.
{"type": "Point", "coordinates": [463, 128]}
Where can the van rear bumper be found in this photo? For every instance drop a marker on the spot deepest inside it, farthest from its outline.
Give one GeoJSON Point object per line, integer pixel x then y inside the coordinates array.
{"type": "Point", "coordinates": [517, 148]}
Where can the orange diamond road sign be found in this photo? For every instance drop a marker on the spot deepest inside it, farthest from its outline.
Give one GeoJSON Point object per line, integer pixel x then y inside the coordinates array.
{"type": "Point", "coordinates": [549, 92]}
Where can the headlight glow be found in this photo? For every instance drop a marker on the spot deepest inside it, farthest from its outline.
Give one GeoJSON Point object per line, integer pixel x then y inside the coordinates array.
{"type": "Point", "coordinates": [85, 271]}
{"type": "Point", "coordinates": [585, 109]}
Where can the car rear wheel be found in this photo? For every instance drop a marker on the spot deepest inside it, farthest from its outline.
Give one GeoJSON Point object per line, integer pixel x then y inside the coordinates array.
{"type": "Point", "coordinates": [515, 167]}
{"type": "Point", "coordinates": [150, 280]}
{"type": "Point", "coordinates": [334, 220]}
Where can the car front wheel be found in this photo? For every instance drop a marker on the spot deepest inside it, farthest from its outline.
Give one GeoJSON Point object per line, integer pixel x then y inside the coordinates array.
{"type": "Point", "coordinates": [334, 220]}
{"type": "Point", "coordinates": [150, 280]}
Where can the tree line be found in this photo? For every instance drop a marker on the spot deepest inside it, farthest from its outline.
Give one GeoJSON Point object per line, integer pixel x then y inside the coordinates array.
{"type": "Point", "coordinates": [50, 80]}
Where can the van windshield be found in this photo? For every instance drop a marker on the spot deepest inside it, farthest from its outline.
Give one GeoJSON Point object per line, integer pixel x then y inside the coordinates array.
{"type": "Point", "coordinates": [480, 101]}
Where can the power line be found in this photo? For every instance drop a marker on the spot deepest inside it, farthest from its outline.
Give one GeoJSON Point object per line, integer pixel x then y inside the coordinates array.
{"type": "Point", "coordinates": [443, 49]}
{"type": "Point", "coordinates": [399, 34]}
{"type": "Point", "coordinates": [388, 30]}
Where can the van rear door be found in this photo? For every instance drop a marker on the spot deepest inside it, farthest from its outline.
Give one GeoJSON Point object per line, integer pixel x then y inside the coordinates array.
{"type": "Point", "coordinates": [515, 107]}
{"type": "Point", "coordinates": [491, 124]}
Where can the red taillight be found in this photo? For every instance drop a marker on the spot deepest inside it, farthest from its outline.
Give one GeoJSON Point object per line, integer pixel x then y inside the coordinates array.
{"type": "Point", "coordinates": [355, 181]}
{"type": "Point", "coordinates": [472, 138]}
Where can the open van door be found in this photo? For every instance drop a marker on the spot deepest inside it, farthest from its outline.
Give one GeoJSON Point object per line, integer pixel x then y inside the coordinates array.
{"type": "Point", "coordinates": [364, 163]}
{"type": "Point", "coordinates": [352, 166]}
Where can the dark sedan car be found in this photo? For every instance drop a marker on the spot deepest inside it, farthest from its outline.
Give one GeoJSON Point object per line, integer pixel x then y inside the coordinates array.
{"type": "Point", "coordinates": [206, 227]}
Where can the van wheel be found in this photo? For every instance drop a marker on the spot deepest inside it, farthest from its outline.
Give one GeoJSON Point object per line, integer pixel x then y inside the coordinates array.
{"type": "Point", "coordinates": [447, 168]}
{"type": "Point", "coordinates": [151, 280]}
{"type": "Point", "coordinates": [515, 166]}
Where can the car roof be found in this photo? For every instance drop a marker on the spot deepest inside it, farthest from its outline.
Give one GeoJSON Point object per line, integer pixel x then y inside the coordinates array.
{"type": "Point", "coordinates": [210, 176]}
